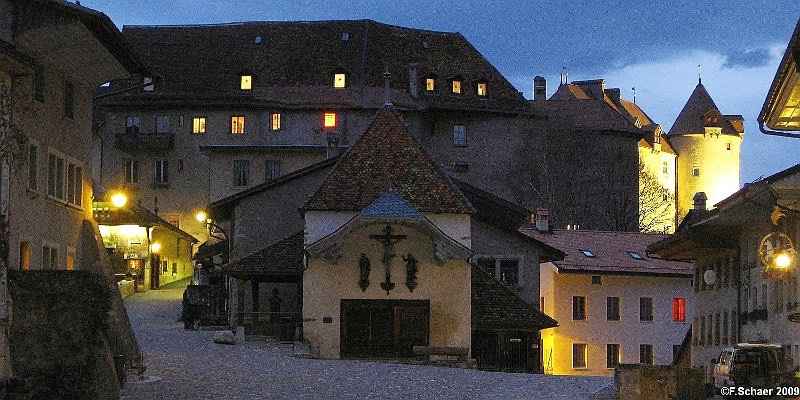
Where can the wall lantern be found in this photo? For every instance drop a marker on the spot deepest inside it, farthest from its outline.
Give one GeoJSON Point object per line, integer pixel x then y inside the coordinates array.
{"type": "Point", "coordinates": [155, 247]}
{"type": "Point", "coordinates": [776, 251]}
{"type": "Point", "coordinates": [119, 199]}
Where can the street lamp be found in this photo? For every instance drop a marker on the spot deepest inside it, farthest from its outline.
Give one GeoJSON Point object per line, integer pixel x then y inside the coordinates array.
{"type": "Point", "coordinates": [776, 251]}
{"type": "Point", "coordinates": [119, 199]}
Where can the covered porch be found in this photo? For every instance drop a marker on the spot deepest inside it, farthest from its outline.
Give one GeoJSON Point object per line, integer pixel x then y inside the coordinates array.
{"type": "Point", "coordinates": [266, 290]}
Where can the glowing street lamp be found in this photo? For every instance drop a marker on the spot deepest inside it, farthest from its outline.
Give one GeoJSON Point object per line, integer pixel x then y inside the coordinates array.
{"type": "Point", "coordinates": [155, 247]}
{"type": "Point", "coordinates": [201, 216]}
{"type": "Point", "coordinates": [119, 199]}
{"type": "Point", "coordinates": [776, 251]}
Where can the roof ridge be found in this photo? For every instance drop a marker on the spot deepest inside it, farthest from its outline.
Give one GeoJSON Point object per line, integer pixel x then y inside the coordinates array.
{"type": "Point", "coordinates": [280, 22]}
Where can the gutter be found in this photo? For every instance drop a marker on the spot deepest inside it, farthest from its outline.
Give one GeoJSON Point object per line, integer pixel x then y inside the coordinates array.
{"type": "Point", "coordinates": [156, 79]}
{"type": "Point", "coordinates": [766, 131]}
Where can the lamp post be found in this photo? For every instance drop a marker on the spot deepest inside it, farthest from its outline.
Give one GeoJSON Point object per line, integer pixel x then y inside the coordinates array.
{"type": "Point", "coordinates": [776, 251]}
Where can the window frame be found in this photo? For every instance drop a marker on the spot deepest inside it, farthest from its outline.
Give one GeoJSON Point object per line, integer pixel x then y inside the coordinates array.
{"type": "Point", "coordinates": [646, 313]}
{"type": "Point", "coordinates": [340, 80]}
{"type": "Point", "coordinates": [161, 172]}
{"type": "Point", "coordinates": [241, 173]}
{"type": "Point", "coordinates": [237, 124]}
{"type": "Point", "coordinates": [609, 309]}
{"type": "Point", "coordinates": [132, 171]}
{"type": "Point", "coordinates": [650, 353]}
{"type": "Point", "coordinates": [276, 121]}
{"type": "Point", "coordinates": [617, 353]}
{"type": "Point", "coordinates": [482, 88]}
{"type": "Point", "coordinates": [272, 169]}
{"type": "Point", "coordinates": [460, 138]}
{"type": "Point", "coordinates": [580, 306]}
{"type": "Point", "coordinates": [133, 124]}
{"type": "Point", "coordinates": [326, 118]}
{"type": "Point", "coordinates": [245, 82]}
{"type": "Point", "coordinates": [163, 124]}
{"type": "Point", "coordinates": [585, 355]}
{"type": "Point", "coordinates": [198, 125]}
{"type": "Point", "coordinates": [679, 309]}
{"type": "Point", "coordinates": [496, 261]}
{"type": "Point", "coordinates": [457, 86]}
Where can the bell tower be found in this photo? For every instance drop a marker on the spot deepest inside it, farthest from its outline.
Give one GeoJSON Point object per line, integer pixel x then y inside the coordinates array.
{"type": "Point", "coordinates": [708, 144]}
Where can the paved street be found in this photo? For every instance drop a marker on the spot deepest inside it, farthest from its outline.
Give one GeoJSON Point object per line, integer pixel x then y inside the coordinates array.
{"type": "Point", "coordinates": [193, 367]}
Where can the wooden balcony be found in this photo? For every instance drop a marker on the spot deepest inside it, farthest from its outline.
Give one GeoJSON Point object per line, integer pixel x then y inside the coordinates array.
{"type": "Point", "coordinates": [145, 141]}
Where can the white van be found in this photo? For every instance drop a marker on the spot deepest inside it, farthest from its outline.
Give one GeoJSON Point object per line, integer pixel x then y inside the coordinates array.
{"type": "Point", "coordinates": [751, 365]}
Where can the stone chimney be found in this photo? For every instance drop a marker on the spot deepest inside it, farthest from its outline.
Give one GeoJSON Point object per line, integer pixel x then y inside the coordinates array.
{"type": "Point", "coordinates": [541, 219]}
{"type": "Point", "coordinates": [413, 80]}
{"type": "Point", "coordinates": [699, 200]}
{"type": "Point", "coordinates": [539, 88]}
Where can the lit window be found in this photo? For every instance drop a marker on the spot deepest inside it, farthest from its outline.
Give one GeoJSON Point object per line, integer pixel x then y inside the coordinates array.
{"type": "Point", "coordinates": [329, 120]}
{"type": "Point", "coordinates": [459, 135]}
{"type": "Point", "coordinates": [578, 308]}
{"type": "Point", "coordinates": [241, 173]}
{"type": "Point", "coordinates": [579, 355]}
{"type": "Point", "coordinates": [636, 256]}
{"type": "Point", "coordinates": [276, 121]}
{"type": "Point", "coordinates": [679, 309]}
{"type": "Point", "coordinates": [588, 253]}
{"type": "Point", "coordinates": [612, 355]}
{"type": "Point", "coordinates": [430, 84]}
{"type": "Point", "coordinates": [481, 88]}
{"type": "Point", "coordinates": [456, 86]}
{"type": "Point", "coordinates": [247, 82]}
{"type": "Point", "coordinates": [70, 260]}
{"type": "Point", "coordinates": [199, 125]}
{"type": "Point", "coordinates": [237, 124]}
{"type": "Point", "coordinates": [646, 354]}
{"type": "Point", "coordinates": [695, 171]}
{"type": "Point", "coordinates": [24, 255]}
{"type": "Point", "coordinates": [645, 309]}
{"type": "Point", "coordinates": [339, 80]}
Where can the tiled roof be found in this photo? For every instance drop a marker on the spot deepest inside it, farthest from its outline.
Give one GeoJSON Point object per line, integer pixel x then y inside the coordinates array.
{"type": "Point", "coordinates": [496, 307]}
{"type": "Point", "coordinates": [294, 61]}
{"type": "Point", "coordinates": [282, 258]}
{"type": "Point", "coordinates": [692, 118]}
{"type": "Point", "coordinates": [134, 214]}
{"type": "Point", "coordinates": [611, 250]}
{"type": "Point", "coordinates": [387, 157]}
{"type": "Point", "coordinates": [587, 110]}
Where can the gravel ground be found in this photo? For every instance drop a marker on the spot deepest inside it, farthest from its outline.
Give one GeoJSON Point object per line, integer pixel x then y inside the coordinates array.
{"type": "Point", "coordinates": [193, 367]}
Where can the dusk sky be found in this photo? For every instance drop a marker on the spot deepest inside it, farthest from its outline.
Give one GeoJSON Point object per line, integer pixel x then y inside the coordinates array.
{"type": "Point", "coordinates": [653, 46]}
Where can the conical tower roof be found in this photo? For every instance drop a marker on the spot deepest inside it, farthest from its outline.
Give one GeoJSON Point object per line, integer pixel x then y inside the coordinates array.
{"type": "Point", "coordinates": [700, 112]}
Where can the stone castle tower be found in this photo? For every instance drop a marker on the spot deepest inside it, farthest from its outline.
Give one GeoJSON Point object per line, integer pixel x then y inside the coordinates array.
{"type": "Point", "coordinates": [708, 145]}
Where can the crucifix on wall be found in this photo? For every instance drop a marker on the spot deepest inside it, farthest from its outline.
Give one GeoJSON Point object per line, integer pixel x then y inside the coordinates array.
{"type": "Point", "coordinates": [387, 240]}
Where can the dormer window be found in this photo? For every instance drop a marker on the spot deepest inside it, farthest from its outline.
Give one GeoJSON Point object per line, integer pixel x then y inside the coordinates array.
{"type": "Point", "coordinates": [430, 84]}
{"type": "Point", "coordinates": [457, 86]}
{"type": "Point", "coordinates": [588, 254]}
{"type": "Point", "coordinates": [482, 89]}
{"type": "Point", "coordinates": [147, 82]}
{"type": "Point", "coordinates": [636, 256]}
{"type": "Point", "coordinates": [258, 40]}
{"type": "Point", "coordinates": [247, 82]}
{"type": "Point", "coordinates": [329, 120]}
{"type": "Point", "coordinates": [345, 36]}
{"type": "Point", "coordinates": [339, 80]}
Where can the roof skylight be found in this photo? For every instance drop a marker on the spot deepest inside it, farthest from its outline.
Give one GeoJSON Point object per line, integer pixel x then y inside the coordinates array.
{"type": "Point", "coordinates": [588, 253]}
{"type": "Point", "coordinates": [635, 255]}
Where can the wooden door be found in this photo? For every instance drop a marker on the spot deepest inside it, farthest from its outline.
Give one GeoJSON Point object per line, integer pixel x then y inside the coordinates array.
{"type": "Point", "coordinates": [383, 328]}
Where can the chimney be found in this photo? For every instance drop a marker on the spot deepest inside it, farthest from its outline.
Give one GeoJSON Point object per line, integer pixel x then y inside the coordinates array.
{"type": "Point", "coordinates": [539, 88]}
{"type": "Point", "coordinates": [413, 80]}
{"type": "Point", "coordinates": [699, 200]}
{"type": "Point", "coordinates": [614, 95]}
{"type": "Point", "coordinates": [541, 220]}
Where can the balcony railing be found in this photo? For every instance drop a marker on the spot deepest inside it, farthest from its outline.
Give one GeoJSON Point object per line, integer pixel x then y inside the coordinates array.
{"type": "Point", "coordinates": [145, 141]}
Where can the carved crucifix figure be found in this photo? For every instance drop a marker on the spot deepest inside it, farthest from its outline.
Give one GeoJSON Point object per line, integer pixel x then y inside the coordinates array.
{"type": "Point", "coordinates": [411, 272]}
{"type": "Point", "coordinates": [364, 267]}
{"type": "Point", "coordinates": [387, 240]}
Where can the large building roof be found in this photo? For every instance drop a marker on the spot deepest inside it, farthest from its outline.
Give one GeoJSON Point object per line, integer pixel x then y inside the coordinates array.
{"type": "Point", "coordinates": [614, 253]}
{"type": "Point", "coordinates": [696, 113]}
{"type": "Point", "coordinates": [588, 105]}
{"type": "Point", "coordinates": [294, 62]}
{"type": "Point", "coordinates": [387, 157]}
{"type": "Point", "coordinates": [494, 306]}
{"type": "Point", "coordinates": [282, 259]}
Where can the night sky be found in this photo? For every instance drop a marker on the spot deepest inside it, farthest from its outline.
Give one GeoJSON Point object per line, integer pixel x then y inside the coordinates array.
{"type": "Point", "coordinates": [655, 47]}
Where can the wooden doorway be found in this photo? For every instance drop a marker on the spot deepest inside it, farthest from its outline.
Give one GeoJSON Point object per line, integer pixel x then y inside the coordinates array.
{"type": "Point", "coordinates": [383, 328]}
{"type": "Point", "coordinates": [508, 351]}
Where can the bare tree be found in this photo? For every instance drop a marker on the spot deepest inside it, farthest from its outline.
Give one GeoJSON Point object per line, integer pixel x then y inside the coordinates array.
{"type": "Point", "coordinates": [656, 204]}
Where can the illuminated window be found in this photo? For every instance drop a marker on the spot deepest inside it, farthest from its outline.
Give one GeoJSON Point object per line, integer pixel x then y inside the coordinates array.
{"type": "Point", "coordinates": [199, 125]}
{"type": "Point", "coordinates": [481, 88]}
{"type": "Point", "coordinates": [430, 84]}
{"type": "Point", "coordinates": [339, 80]}
{"type": "Point", "coordinates": [456, 86]}
{"type": "Point", "coordinates": [24, 255]}
{"type": "Point", "coordinates": [237, 124]}
{"type": "Point", "coordinates": [679, 309]}
{"type": "Point", "coordinates": [276, 121]}
{"type": "Point", "coordinates": [247, 82]}
{"type": "Point", "coordinates": [70, 260]}
{"type": "Point", "coordinates": [580, 352]}
{"type": "Point", "coordinates": [329, 120]}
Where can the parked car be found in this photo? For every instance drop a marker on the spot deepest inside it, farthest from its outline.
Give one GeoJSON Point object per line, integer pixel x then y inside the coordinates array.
{"type": "Point", "coordinates": [751, 365]}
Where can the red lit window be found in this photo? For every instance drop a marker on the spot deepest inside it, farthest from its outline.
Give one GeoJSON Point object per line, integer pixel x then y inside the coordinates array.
{"type": "Point", "coordinates": [679, 309]}
{"type": "Point", "coordinates": [329, 120]}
